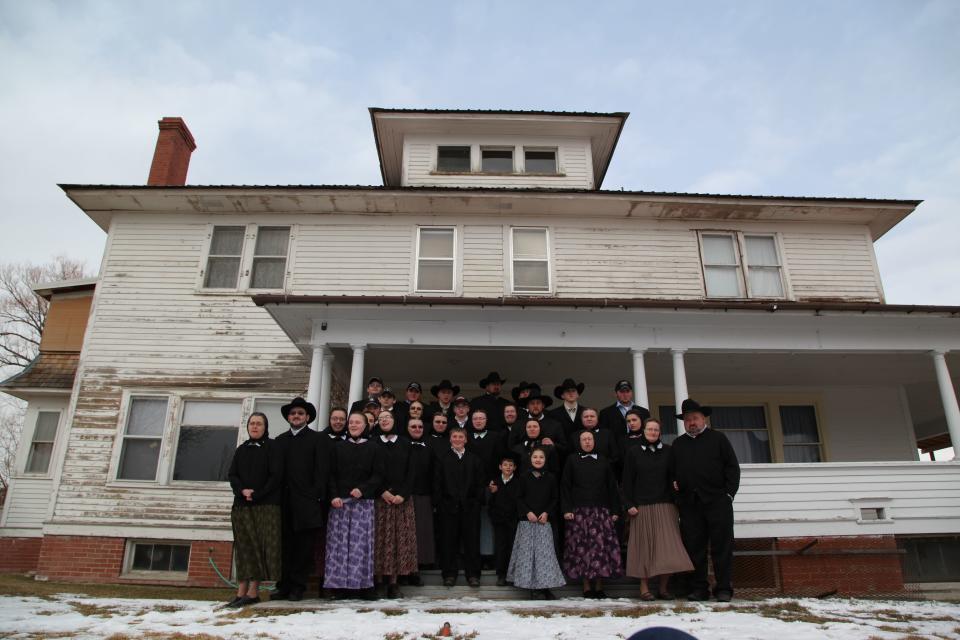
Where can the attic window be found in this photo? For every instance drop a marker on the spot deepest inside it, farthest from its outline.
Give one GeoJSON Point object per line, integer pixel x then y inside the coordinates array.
{"type": "Point", "coordinates": [453, 159]}
{"type": "Point", "coordinates": [540, 160]}
{"type": "Point", "coordinates": [496, 160]}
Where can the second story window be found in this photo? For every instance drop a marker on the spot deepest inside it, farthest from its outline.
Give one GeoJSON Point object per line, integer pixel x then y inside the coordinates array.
{"type": "Point", "coordinates": [540, 160]}
{"type": "Point", "coordinates": [223, 261]}
{"type": "Point", "coordinates": [496, 160]}
{"type": "Point", "coordinates": [247, 257]}
{"type": "Point", "coordinates": [142, 438]}
{"type": "Point", "coordinates": [530, 253]}
{"type": "Point", "coordinates": [436, 259]}
{"type": "Point", "coordinates": [452, 158]}
{"type": "Point", "coordinates": [736, 265]}
{"type": "Point", "coordinates": [270, 258]}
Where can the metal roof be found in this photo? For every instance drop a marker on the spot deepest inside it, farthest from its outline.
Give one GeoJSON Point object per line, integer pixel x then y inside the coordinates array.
{"type": "Point", "coordinates": [507, 112]}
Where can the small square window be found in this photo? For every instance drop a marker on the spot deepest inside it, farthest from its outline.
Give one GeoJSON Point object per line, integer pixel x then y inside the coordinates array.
{"type": "Point", "coordinates": [496, 160]}
{"type": "Point", "coordinates": [154, 557]}
{"type": "Point", "coordinates": [453, 159]}
{"type": "Point", "coordinates": [540, 161]}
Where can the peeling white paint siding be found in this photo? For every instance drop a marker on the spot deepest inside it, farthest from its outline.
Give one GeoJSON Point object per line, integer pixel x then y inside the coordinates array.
{"type": "Point", "coordinates": [832, 264]}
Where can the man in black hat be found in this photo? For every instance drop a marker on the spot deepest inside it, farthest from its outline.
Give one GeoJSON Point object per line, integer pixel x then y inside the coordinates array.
{"type": "Point", "coordinates": [569, 414]}
{"type": "Point", "coordinates": [374, 387]}
{"type": "Point", "coordinates": [490, 401]}
{"type": "Point", "coordinates": [706, 476]}
{"type": "Point", "coordinates": [444, 392]}
{"type": "Point", "coordinates": [614, 417]}
{"type": "Point", "coordinates": [388, 403]}
{"type": "Point", "coordinates": [550, 430]}
{"type": "Point", "coordinates": [461, 413]}
{"type": "Point", "coordinates": [306, 464]}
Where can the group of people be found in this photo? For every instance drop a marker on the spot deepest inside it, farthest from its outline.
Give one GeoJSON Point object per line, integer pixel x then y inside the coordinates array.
{"type": "Point", "coordinates": [543, 495]}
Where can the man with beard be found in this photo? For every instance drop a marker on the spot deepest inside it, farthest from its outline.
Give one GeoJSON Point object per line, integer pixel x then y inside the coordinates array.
{"type": "Point", "coordinates": [491, 402]}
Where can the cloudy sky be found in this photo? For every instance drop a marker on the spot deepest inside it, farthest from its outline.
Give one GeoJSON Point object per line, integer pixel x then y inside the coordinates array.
{"type": "Point", "coordinates": [848, 98]}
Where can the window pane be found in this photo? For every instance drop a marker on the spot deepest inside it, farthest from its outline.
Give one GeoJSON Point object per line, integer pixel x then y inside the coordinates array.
{"type": "Point", "coordinates": [435, 276]}
{"type": "Point", "coordinates": [179, 558]}
{"type": "Point", "coordinates": [276, 423]}
{"type": "Point", "coordinates": [799, 424]}
{"type": "Point", "coordinates": [204, 453]}
{"type": "Point", "coordinates": [147, 416]}
{"type": "Point", "coordinates": [738, 418]}
{"type": "Point", "coordinates": [540, 161]}
{"type": "Point", "coordinates": [719, 250]}
{"type": "Point", "coordinates": [722, 282]}
{"type": "Point", "coordinates": [453, 158]}
{"type": "Point", "coordinates": [222, 273]}
{"type": "Point", "coordinates": [268, 273]}
{"type": "Point", "coordinates": [161, 558]}
{"type": "Point", "coordinates": [272, 241]}
{"type": "Point", "coordinates": [765, 282]}
{"type": "Point", "coordinates": [530, 243]}
{"type": "Point", "coordinates": [761, 251]}
{"type": "Point", "coordinates": [436, 243]}
{"type": "Point", "coordinates": [499, 160]}
{"type": "Point", "coordinates": [39, 460]}
{"type": "Point", "coordinates": [227, 241]}
{"type": "Point", "coordinates": [802, 453]}
{"type": "Point", "coordinates": [223, 414]}
{"type": "Point", "coordinates": [530, 276]}
{"type": "Point", "coordinates": [138, 461]}
{"type": "Point", "coordinates": [750, 446]}
{"type": "Point", "coordinates": [142, 554]}
{"type": "Point", "coordinates": [46, 430]}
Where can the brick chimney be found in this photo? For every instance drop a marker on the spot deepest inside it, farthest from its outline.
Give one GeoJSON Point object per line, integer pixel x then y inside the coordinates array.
{"type": "Point", "coordinates": [172, 155]}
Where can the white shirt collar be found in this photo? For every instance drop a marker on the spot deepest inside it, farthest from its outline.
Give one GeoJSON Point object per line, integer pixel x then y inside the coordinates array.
{"type": "Point", "coordinates": [459, 453]}
{"type": "Point", "coordinates": [296, 432]}
{"type": "Point", "coordinates": [505, 479]}
{"type": "Point", "coordinates": [388, 438]}
{"type": "Point", "coordinates": [478, 435]}
{"type": "Point", "coordinates": [589, 455]}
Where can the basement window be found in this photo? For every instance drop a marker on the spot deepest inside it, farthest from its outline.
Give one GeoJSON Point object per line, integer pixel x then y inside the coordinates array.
{"type": "Point", "coordinates": [157, 559]}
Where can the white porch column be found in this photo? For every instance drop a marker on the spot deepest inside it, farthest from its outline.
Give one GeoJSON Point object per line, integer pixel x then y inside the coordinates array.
{"type": "Point", "coordinates": [326, 383]}
{"type": "Point", "coordinates": [356, 373]}
{"type": "Point", "coordinates": [949, 398]}
{"type": "Point", "coordinates": [316, 377]}
{"type": "Point", "coordinates": [679, 382]}
{"type": "Point", "coordinates": [639, 379]}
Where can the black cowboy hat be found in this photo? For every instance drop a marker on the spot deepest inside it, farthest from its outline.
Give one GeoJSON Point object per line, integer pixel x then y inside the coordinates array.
{"type": "Point", "coordinates": [445, 384]}
{"type": "Point", "coordinates": [493, 376]}
{"type": "Point", "coordinates": [300, 402]}
{"type": "Point", "coordinates": [515, 392]}
{"type": "Point", "coordinates": [692, 406]}
{"type": "Point", "coordinates": [568, 383]}
{"type": "Point", "coordinates": [535, 394]}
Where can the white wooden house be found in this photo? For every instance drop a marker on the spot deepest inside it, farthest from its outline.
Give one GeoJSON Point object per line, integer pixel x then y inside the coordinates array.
{"type": "Point", "coordinates": [491, 245]}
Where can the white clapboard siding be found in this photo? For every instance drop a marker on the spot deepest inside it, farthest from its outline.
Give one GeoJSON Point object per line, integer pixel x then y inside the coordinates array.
{"type": "Point", "coordinates": [777, 500]}
{"type": "Point", "coordinates": [354, 259]}
{"type": "Point", "coordinates": [831, 265]}
{"type": "Point", "coordinates": [483, 253]}
{"type": "Point", "coordinates": [27, 502]}
{"type": "Point", "coordinates": [573, 160]}
{"type": "Point", "coordinates": [613, 260]}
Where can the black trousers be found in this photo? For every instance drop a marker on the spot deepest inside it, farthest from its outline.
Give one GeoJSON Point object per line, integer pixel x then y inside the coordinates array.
{"type": "Point", "coordinates": [503, 535]}
{"type": "Point", "coordinates": [297, 559]}
{"type": "Point", "coordinates": [460, 529]}
{"type": "Point", "coordinates": [703, 523]}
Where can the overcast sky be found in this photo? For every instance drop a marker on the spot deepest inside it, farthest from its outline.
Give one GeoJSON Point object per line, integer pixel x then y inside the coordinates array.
{"type": "Point", "coordinates": [858, 99]}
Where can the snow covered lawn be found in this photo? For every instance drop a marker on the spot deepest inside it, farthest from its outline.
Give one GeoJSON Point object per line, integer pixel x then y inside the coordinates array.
{"type": "Point", "coordinates": [73, 616]}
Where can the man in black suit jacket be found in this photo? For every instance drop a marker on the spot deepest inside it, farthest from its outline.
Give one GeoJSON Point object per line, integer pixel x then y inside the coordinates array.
{"type": "Point", "coordinates": [458, 485]}
{"type": "Point", "coordinates": [570, 413]}
{"type": "Point", "coordinates": [491, 401]}
{"type": "Point", "coordinates": [306, 465]}
{"type": "Point", "coordinates": [614, 417]}
{"type": "Point", "coordinates": [549, 428]}
{"type": "Point", "coordinates": [374, 387]}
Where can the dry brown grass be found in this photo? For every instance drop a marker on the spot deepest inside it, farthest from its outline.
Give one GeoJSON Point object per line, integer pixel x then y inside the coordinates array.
{"type": "Point", "coordinates": [257, 612]}
{"type": "Point", "coordinates": [86, 609]}
{"type": "Point", "coordinates": [637, 612]}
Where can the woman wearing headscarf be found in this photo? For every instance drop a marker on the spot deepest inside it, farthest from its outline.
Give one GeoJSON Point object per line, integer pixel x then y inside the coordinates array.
{"type": "Point", "coordinates": [421, 472]}
{"type": "Point", "coordinates": [255, 475]}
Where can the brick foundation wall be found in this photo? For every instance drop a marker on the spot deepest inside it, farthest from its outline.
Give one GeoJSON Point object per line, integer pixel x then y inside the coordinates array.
{"type": "Point", "coordinates": [848, 574]}
{"type": "Point", "coordinates": [19, 555]}
{"type": "Point", "coordinates": [100, 559]}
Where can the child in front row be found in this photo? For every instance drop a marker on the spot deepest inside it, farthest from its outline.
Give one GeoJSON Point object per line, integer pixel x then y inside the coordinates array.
{"type": "Point", "coordinates": [502, 506]}
{"type": "Point", "coordinates": [533, 564]}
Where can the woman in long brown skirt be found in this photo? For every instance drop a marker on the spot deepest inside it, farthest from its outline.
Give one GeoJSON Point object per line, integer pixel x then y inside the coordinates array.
{"type": "Point", "coordinates": [421, 468]}
{"type": "Point", "coordinates": [654, 547]}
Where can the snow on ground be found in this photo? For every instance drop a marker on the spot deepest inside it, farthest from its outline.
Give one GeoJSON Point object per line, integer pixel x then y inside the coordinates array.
{"type": "Point", "coordinates": [70, 616]}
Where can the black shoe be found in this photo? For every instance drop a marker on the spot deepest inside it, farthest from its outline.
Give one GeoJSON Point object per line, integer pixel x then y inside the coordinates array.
{"type": "Point", "coordinates": [234, 603]}
{"type": "Point", "coordinates": [724, 596]}
{"type": "Point", "coordinates": [414, 580]}
{"type": "Point", "coordinates": [393, 591]}
{"type": "Point", "coordinates": [473, 581]}
{"type": "Point", "coordinates": [247, 600]}
{"type": "Point", "coordinates": [327, 594]}
{"type": "Point", "coordinates": [280, 595]}
{"type": "Point", "coordinates": [501, 581]}
{"type": "Point", "coordinates": [534, 594]}
{"type": "Point", "coordinates": [698, 596]}
{"type": "Point", "coordinates": [589, 595]}
{"type": "Point", "coordinates": [449, 582]}
{"type": "Point", "coordinates": [548, 595]}
{"type": "Point", "coordinates": [665, 595]}
{"type": "Point", "coordinates": [296, 596]}
{"type": "Point", "coordinates": [600, 595]}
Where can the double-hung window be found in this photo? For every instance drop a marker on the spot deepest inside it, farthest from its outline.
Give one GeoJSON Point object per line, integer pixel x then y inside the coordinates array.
{"type": "Point", "coordinates": [737, 265]}
{"type": "Point", "coordinates": [207, 439]}
{"type": "Point", "coordinates": [142, 439]}
{"type": "Point", "coordinates": [41, 445]}
{"type": "Point", "coordinates": [436, 259]}
{"type": "Point", "coordinates": [530, 256]}
{"type": "Point", "coordinates": [247, 257]}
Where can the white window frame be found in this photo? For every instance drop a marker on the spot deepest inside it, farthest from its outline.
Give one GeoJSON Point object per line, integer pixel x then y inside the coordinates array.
{"type": "Point", "coordinates": [130, 572]}
{"type": "Point", "coordinates": [556, 160]}
{"type": "Point", "coordinates": [246, 259]}
{"type": "Point", "coordinates": [474, 158]}
{"type": "Point", "coordinates": [245, 403]}
{"type": "Point", "coordinates": [499, 147]}
{"type": "Point", "coordinates": [120, 438]}
{"type": "Point", "coordinates": [456, 260]}
{"type": "Point", "coordinates": [742, 266]}
{"type": "Point", "coordinates": [25, 471]}
{"type": "Point", "coordinates": [549, 260]}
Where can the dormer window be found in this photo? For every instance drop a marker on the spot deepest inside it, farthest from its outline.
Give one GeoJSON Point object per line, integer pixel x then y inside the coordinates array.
{"type": "Point", "coordinates": [496, 160]}
{"type": "Point", "coordinates": [455, 159]}
{"type": "Point", "coordinates": [540, 160]}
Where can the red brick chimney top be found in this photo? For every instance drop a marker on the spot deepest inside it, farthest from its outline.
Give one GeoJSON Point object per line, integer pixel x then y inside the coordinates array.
{"type": "Point", "coordinates": [171, 158]}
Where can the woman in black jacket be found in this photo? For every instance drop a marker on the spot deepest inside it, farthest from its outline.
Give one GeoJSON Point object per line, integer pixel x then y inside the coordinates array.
{"type": "Point", "coordinates": [255, 475]}
{"type": "Point", "coordinates": [654, 546]}
{"type": "Point", "coordinates": [421, 472]}
{"type": "Point", "coordinates": [396, 528]}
